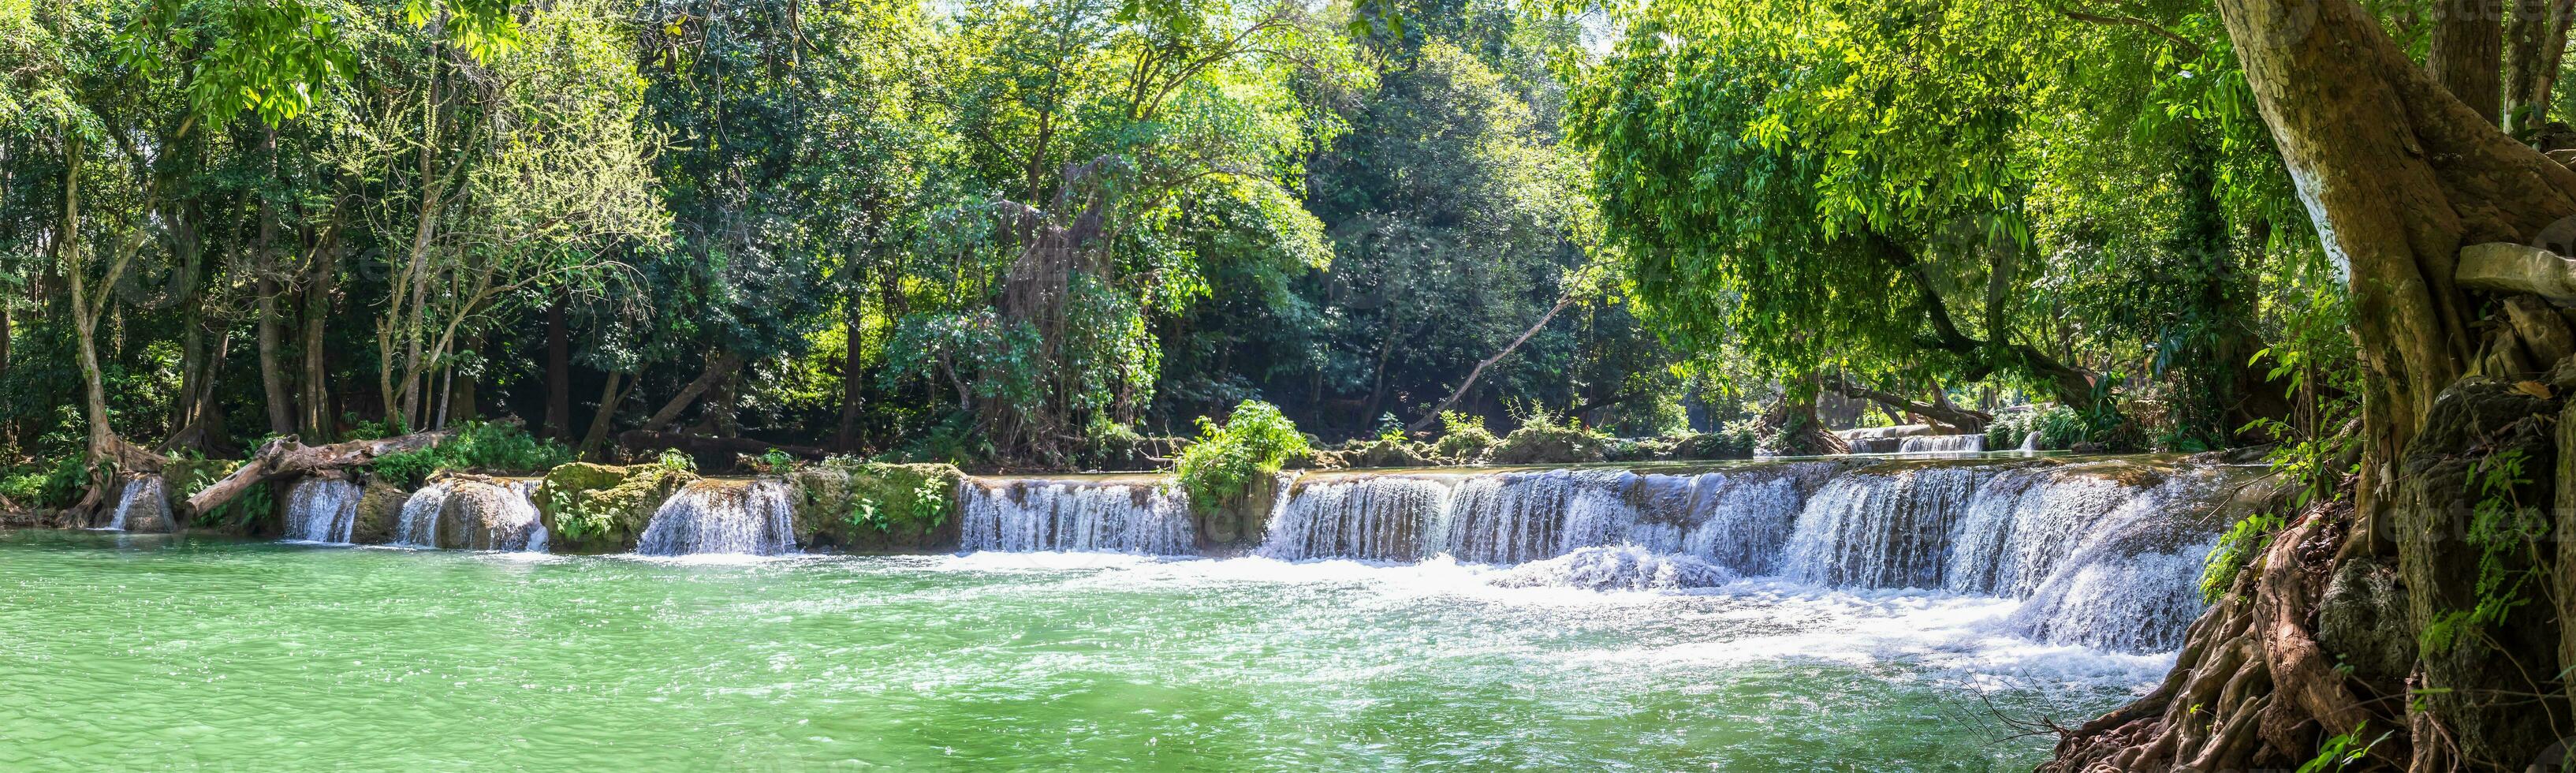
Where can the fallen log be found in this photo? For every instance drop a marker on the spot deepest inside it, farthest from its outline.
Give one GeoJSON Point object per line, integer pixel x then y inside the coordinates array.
{"type": "Point", "coordinates": [284, 457]}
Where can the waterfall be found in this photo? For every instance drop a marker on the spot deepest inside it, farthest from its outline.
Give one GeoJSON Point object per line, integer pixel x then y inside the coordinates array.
{"type": "Point", "coordinates": [1023, 516]}
{"type": "Point", "coordinates": [146, 493]}
{"type": "Point", "coordinates": [532, 535]}
{"type": "Point", "coordinates": [321, 510]}
{"type": "Point", "coordinates": [418, 526]}
{"type": "Point", "coordinates": [2105, 553]}
{"type": "Point", "coordinates": [472, 515]}
{"type": "Point", "coordinates": [1377, 518]}
{"type": "Point", "coordinates": [1879, 529]}
{"type": "Point", "coordinates": [710, 516]}
{"type": "Point", "coordinates": [2030, 442]}
{"type": "Point", "coordinates": [1942, 444]}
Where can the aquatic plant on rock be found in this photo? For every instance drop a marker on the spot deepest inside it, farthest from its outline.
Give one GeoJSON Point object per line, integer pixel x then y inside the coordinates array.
{"type": "Point", "coordinates": [1545, 438]}
{"type": "Point", "coordinates": [875, 506]}
{"type": "Point", "coordinates": [1463, 439]}
{"type": "Point", "coordinates": [597, 508]}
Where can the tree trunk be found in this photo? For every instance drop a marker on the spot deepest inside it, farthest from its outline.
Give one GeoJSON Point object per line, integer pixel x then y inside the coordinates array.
{"type": "Point", "coordinates": [67, 243]}
{"type": "Point", "coordinates": [1794, 428]}
{"type": "Point", "coordinates": [317, 314]}
{"type": "Point", "coordinates": [282, 457]}
{"type": "Point", "coordinates": [272, 364]}
{"type": "Point", "coordinates": [2535, 46]}
{"type": "Point", "coordinates": [853, 382]}
{"type": "Point", "coordinates": [272, 328]}
{"type": "Point", "coordinates": [609, 396]}
{"type": "Point", "coordinates": [720, 366]}
{"type": "Point", "coordinates": [2468, 53]}
{"type": "Point", "coordinates": [558, 375]}
{"type": "Point", "coordinates": [2398, 176]}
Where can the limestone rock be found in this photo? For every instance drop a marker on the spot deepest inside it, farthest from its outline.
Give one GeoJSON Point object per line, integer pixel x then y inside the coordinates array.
{"type": "Point", "coordinates": [379, 512]}
{"type": "Point", "coordinates": [2515, 268]}
{"type": "Point", "coordinates": [146, 506]}
{"type": "Point", "coordinates": [876, 507]}
{"type": "Point", "coordinates": [2363, 619]}
{"type": "Point", "coordinates": [2476, 422]}
{"type": "Point", "coordinates": [596, 508]}
{"type": "Point", "coordinates": [2543, 332]}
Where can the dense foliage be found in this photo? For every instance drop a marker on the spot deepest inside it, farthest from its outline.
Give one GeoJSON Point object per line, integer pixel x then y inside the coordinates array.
{"type": "Point", "coordinates": [1057, 232]}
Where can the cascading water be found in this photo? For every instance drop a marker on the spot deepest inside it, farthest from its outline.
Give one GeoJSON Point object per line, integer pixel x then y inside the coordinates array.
{"type": "Point", "coordinates": [1376, 518]}
{"type": "Point", "coordinates": [2106, 553]}
{"type": "Point", "coordinates": [1023, 516]}
{"type": "Point", "coordinates": [322, 510]}
{"type": "Point", "coordinates": [753, 518]}
{"type": "Point", "coordinates": [1942, 444]}
{"type": "Point", "coordinates": [2030, 441]}
{"type": "Point", "coordinates": [1879, 529]}
{"type": "Point", "coordinates": [143, 497]}
{"type": "Point", "coordinates": [418, 525]}
{"type": "Point", "coordinates": [472, 515]}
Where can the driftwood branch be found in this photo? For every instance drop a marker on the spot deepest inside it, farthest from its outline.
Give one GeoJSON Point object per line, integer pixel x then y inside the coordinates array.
{"type": "Point", "coordinates": [284, 457]}
{"type": "Point", "coordinates": [1454, 395]}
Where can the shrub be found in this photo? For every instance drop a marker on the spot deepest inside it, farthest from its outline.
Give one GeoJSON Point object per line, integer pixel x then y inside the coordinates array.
{"type": "Point", "coordinates": [58, 484]}
{"type": "Point", "coordinates": [487, 447]}
{"type": "Point", "coordinates": [1221, 469]}
{"type": "Point", "coordinates": [1463, 439]}
{"type": "Point", "coordinates": [41, 485]}
{"type": "Point", "coordinates": [1639, 449]}
{"type": "Point", "coordinates": [1735, 441]}
{"type": "Point", "coordinates": [1386, 450]}
{"type": "Point", "coordinates": [1545, 438]}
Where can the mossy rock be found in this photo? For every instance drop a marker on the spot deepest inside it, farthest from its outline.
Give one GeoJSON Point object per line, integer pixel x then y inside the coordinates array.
{"type": "Point", "coordinates": [1385, 452]}
{"type": "Point", "coordinates": [380, 506]}
{"type": "Point", "coordinates": [597, 508]}
{"type": "Point", "coordinates": [1550, 443]}
{"type": "Point", "coordinates": [874, 507]}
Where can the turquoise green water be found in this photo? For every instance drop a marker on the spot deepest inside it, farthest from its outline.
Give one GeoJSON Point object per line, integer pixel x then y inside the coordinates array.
{"type": "Point", "coordinates": [131, 652]}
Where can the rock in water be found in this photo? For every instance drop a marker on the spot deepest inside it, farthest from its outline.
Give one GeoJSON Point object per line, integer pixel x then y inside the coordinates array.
{"type": "Point", "coordinates": [1618, 567]}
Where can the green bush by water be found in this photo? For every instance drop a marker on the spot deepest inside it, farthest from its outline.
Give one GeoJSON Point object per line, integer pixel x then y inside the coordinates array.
{"type": "Point", "coordinates": [1463, 439]}
{"type": "Point", "coordinates": [487, 447]}
{"type": "Point", "coordinates": [46, 484]}
{"type": "Point", "coordinates": [1546, 438]}
{"type": "Point", "coordinates": [1221, 469]}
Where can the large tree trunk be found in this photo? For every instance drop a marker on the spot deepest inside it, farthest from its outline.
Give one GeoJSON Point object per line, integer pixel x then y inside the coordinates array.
{"type": "Point", "coordinates": [1941, 411]}
{"type": "Point", "coordinates": [2398, 176]}
{"type": "Point", "coordinates": [2468, 51]}
{"type": "Point", "coordinates": [272, 326]}
{"type": "Point", "coordinates": [317, 313]}
{"type": "Point", "coordinates": [272, 360]}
